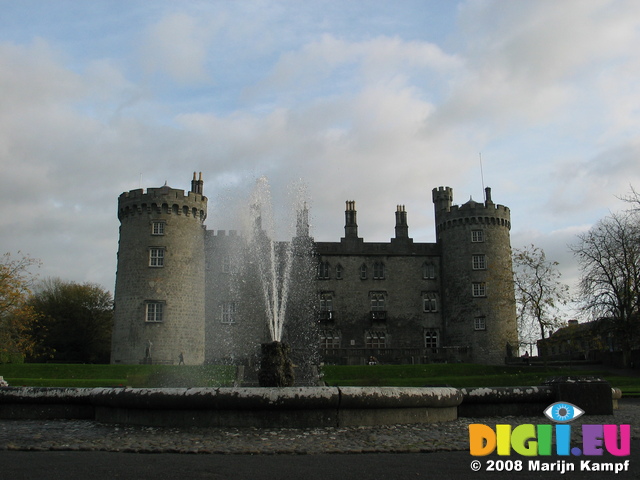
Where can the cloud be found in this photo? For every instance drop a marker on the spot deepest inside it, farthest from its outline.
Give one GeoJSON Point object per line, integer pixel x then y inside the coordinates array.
{"type": "Point", "coordinates": [533, 61]}
{"type": "Point", "coordinates": [351, 64]}
{"type": "Point", "coordinates": [177, 46]}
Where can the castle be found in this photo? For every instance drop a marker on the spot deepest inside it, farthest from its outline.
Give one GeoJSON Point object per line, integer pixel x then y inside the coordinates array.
{"type": "Point", "coordinates": [182, 292]}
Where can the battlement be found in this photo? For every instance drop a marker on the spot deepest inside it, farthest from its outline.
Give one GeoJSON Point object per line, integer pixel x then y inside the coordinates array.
{"type": "Point", "coordinates": [161, 192]}
{"type": "Point", "coordinates": [472, 212]}
{"type": "Point", "coordinates": [472, 208]}
{"type": "Point", "coordinates": [163, 200]}
{"type": "Point", "coordinates": [223, 233]}
{"type": "Point", "coordinates": [442, 193]}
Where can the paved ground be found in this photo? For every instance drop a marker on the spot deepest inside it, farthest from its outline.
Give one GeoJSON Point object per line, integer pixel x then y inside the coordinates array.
{"type": "Point", "coordinates": [84, 449]}
{"type": "Point", "coordinates": [377, 466]}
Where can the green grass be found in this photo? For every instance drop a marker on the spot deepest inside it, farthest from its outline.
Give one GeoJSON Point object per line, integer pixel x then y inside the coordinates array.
{"type": "Point", "coordinates": [463, 375]}
{"type": "Point", "coordinates": [66, 375]}
{"type": "Point", "coordinates": [455, 375]}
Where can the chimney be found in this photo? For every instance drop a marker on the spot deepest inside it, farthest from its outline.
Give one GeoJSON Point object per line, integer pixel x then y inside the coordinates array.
{"type": "Point", "coordinates": [350, 227]}
{"type": "Point", "coordinates": [487, 196]}
{"type": "Point", "coordinates": [197, 186]}
{"type": "Point", "coordinates": [302, 223]}
{"type": "Point", "coordinates": [402, 228]}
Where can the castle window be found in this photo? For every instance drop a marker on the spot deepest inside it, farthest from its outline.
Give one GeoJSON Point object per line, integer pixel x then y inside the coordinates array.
{"type": "Point", "coordinates": [326, 306]}
{"type": "Point", "coordinates": [377, 302]}
{"type": "Point", "coordinates": [479, 262]}
{"type": "Point", "coordinates": [228, 310]}
{"type": "Point", "coordinates": [329, 339]}
{"type": "Point", "coordinates": [156, 257]}
{"type": "Point", "coordinates": [323, 270]}
{"type": "Point", "coordinates": [157, 228]}
{"type": "Point", "coordinates": [479, 289]}
{"type": "Point", "coordinates": [428, 270]}
{"type": "Point", "coordinates": [429, 302]}
{"type": "Point", "coordinates": [363, 272]}
{"type": "Point", "coordinates": [431, 338]}
{"type": "Point", "coordinates": [154, 312]}
{"type": "Point", "coordinates": [477, 236]}
{"type": "Point", "coordinates": [228, 265]}
{"type": "Point", "coordinates": [339, 272]}
{"type": "Point", "coordinates": [479, 323]}
{"type": "Point", "coordinates": [378, 270]}
{"type": "Point", "coordinates": [375, 339]}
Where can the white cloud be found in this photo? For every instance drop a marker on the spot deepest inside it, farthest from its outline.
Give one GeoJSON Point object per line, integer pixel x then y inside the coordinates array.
{"type": "Point", "coordinates": [177, 46]}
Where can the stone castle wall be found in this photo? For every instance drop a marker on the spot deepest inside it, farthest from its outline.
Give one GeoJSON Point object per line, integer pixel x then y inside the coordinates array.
{"type": "Point", "coordinates": [204, 273]}
{"type": "Point", "coordinates": [483, 317]}
{"type": "Point", "coordinates": [177, 285]}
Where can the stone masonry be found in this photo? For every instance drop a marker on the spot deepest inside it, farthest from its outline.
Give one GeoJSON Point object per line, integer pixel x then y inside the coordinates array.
{"type": "Point", "coordinates": [179, 289]}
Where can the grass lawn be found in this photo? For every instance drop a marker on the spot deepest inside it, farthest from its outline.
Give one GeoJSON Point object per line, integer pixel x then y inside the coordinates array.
{"type": "Point", "coordinates": [79, 375]}
{"type": "Point", "coordinates": [465, 375]}
{"type": "Point", "coordinates": [455, 375]}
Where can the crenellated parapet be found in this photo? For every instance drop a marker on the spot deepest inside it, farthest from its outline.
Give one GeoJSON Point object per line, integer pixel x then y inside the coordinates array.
{"type": "Point", "coordinates": [163, 200]}
{"type": "Point", "coordinates": [470, 213]}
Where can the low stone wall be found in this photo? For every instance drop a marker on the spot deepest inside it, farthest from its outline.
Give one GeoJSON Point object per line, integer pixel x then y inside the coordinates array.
{"type": "Point", "coordinates": [501, 401]}
{"type": "Point", "coordinates": [36, 403]}
{"type": "Point", "coordinates": [592, 394]}
{"type": "Point", "coordinates": [295, 407]}
{"type": "Point", "coordinates": [301, 407]}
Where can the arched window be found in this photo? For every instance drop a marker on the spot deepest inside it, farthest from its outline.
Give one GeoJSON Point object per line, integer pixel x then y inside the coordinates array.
{"type": "Point", "coordinates": [363, 272]}
{"type": "Point", "coordinates": [323, 270]}
{"type": "Point", "coordinates": [431, 338]}
{"type": "Point", "coordinates": [375, 339]}
{"type": "Point", "coordinates": [429, 302]}
{"type": "Point", "coordinates": [428, 270]}
{"type": "Point", "coordinates": [378, 270]}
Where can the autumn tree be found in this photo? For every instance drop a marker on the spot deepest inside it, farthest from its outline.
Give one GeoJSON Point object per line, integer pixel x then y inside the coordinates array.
{"type": "Point", "coordinates": [609, 258]}
{"type": "Point", "coordinates": [539, 294]}
{"type": "Point", "coordinates": [17, 318]}
{"type": "Point", "coordinates": [75, 324]}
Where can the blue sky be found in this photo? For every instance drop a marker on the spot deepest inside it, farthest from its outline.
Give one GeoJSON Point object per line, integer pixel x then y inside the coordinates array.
{"type": "Point", "coordinates": [372, 101]}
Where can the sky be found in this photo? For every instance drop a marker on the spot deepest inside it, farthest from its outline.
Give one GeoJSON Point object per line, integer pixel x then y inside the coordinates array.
{"type": "Point", "coordinates": [367, 100]}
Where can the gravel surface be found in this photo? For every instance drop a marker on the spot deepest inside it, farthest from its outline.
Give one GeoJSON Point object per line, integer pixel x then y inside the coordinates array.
{"type": "Point", "coordinates": [80, 435]}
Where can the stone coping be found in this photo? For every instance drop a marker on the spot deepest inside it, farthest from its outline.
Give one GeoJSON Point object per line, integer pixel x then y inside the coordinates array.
{"type": "Point", "coordinates": [236, 406]}
{"type": "Point", "coordinates": [239, 397]}
{"type": "Point", "coordinates": [520, 394]}
{"type": "Point", "coordinates": [288, 406]}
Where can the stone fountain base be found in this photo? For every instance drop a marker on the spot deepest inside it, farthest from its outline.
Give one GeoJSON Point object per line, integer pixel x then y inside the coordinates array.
{"type": "Point", "coordinates": [293, 407]}
{"type": "Point", "coordinates": [276, 368]}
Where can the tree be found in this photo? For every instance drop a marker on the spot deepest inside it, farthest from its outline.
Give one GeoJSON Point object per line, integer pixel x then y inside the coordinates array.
{"type": "Point", "coordinates": [76, 322]}
{"type": "Point", "coordinates": [634, 199]}
{"type": "Point", "coordinates": [16, 317]}
{"type": "Point", "coordinates": [609, 258]}
{"type": "Point", "coordinates": [539, 293]}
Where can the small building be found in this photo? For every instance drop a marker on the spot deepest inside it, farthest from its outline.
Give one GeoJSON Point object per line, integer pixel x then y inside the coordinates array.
{"type": "Point", "coordinates": [575, 341]}
{"type": "Point", "coordinates": [598, 341]}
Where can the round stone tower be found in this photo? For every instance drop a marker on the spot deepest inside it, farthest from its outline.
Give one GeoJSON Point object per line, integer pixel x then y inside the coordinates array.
{"type": "Point", "coordinates": [159, 293]}
{"type": "Point", "coordinates": [479, 309]}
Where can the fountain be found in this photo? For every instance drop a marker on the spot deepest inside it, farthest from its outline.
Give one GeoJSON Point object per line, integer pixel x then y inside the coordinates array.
{"type": "Point", "coordinates": [283, 271]}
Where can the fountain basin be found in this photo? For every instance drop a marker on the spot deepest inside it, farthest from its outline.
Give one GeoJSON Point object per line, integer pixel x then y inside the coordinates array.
{"type": "Point", "coordinates": [291, 407]}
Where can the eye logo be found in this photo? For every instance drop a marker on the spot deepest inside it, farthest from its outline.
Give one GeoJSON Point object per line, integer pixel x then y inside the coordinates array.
{"type": "Point", "coordinates": [563, 412]}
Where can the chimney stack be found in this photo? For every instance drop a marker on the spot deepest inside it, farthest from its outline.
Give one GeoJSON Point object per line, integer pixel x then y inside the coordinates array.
{"type": "Point", "coordinates": [351, 226]}
{"type": "Point", "coordinates": [402, 228]}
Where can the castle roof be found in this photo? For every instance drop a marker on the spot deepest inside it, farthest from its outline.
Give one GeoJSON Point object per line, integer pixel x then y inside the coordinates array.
{"type": "Point", "coordinates": [472, 203]}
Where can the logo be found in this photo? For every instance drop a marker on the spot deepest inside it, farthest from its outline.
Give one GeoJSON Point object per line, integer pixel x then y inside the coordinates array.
{"type": "Point", "coordinates": [534, 440]}
{"type": "Point", "coordinates": [562, 412]}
